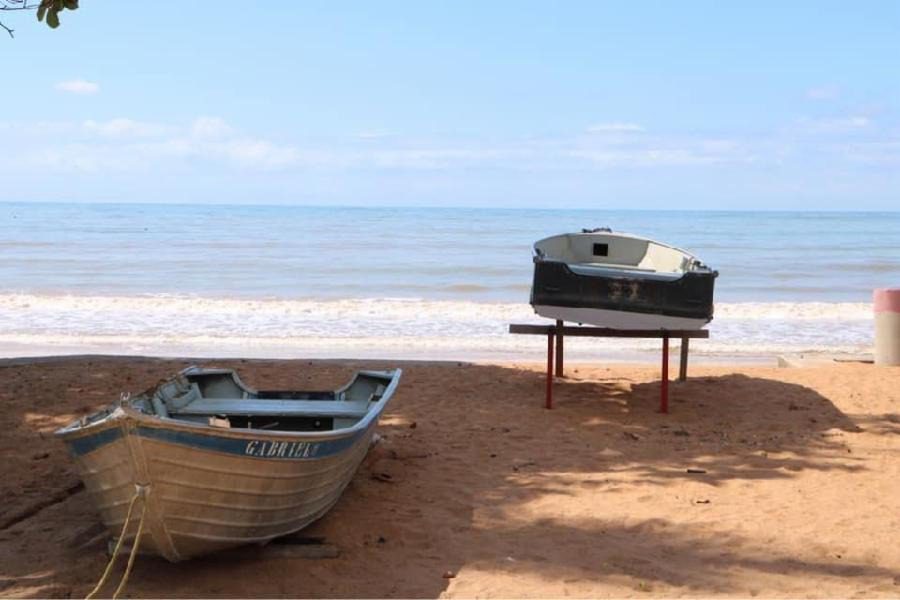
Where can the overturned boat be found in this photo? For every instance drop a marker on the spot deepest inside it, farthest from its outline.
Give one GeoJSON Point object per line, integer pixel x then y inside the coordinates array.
{"type": "Point", "coordinates": [218, 464]}
{"type": "Point", "coordinates": [620, 281]}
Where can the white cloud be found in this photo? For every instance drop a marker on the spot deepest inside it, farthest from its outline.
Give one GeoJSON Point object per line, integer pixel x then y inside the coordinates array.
{"type": "Point", "coordinates": [253, 153]}
{"type": "Point", "coordinates": [656, 157]}
{"type": "Point", "coordinates": [40, 128]}
{"type": "Point", "coordinates": [206, 138]}
{"type": "Point", "coordinates": [78, 86]}
{"type": "Point", "coordinates": [882, 152]}
{"type": "Point", "coordinates": [84, 158]}
{"type": "Point", "coordinates": [825, 92]}
{"type": "Point", "coordinates": [374, 134]}
{"type": "Point", "coordinates": [246, 153]}
{"type": "Point", "coordinates": [439, 157]}
{"type": "Point", "coordinates": [209, 144]}
{"type": "Point", "coordinates": [848, 124]}
{"type": "Point", "coordinates": [210, 127]}
{"type": "Point", "coordinates": [642, 151]}
{"type": "Point", "coordinates": [122, 127]}
{"type": "Point", "coordinates": [615, 128]}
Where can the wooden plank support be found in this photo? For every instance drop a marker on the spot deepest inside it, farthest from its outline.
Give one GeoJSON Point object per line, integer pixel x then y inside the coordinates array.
{"type": "Point", "coordinates": [683, 361]}
{"type": "Point", "coordinates": [291, 546]}
{"type": "Point", "coordinates": [309, 551]}
{"type": "Point", "coordinates": [560, 367]}
{"type": "Point", "coordinates": [584, 331]}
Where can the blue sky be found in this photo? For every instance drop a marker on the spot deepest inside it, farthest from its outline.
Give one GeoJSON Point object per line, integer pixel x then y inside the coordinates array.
{"type": "Point", "coordinates": [702, 105]}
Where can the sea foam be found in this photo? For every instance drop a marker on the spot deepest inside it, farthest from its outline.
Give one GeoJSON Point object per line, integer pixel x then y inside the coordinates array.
{"type": "Point", "coordinates": [371, 327]}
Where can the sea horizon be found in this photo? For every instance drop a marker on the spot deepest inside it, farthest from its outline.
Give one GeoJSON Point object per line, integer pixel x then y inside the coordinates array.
{"type": "Point", "coordinates": [380, 281]}
{"type": "Point", "coordinates": [436, 207]}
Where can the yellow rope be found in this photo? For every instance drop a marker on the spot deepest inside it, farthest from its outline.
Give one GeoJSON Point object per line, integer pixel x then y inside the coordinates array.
{"type": "Point", "coordinates": [133, 555]}
{"type": "Point", "coordinates": [139, 492]}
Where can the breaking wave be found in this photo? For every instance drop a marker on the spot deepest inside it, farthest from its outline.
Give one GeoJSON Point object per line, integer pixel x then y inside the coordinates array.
{"type": "Point", "coordinates": [371, 327]}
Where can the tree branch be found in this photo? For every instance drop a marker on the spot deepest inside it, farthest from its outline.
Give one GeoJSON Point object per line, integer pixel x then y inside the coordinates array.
{"type": "Point", "coordinates": [45, 8]}
{"type": "Point", "coordinates": [15, 5]}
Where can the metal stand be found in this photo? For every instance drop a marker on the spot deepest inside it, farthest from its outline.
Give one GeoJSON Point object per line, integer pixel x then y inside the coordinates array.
{"type": "Point", "coordinates": [556, 333]}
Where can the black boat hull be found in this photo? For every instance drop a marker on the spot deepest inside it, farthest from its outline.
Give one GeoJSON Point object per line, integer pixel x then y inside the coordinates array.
{"type": "Point", "coordinates": [622, 300]}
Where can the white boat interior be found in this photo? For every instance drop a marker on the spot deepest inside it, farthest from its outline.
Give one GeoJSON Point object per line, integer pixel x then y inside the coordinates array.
{"type": "Point", "coordinates": [219, 398]}
{"type": "Point", "coordinates": [605, 253]}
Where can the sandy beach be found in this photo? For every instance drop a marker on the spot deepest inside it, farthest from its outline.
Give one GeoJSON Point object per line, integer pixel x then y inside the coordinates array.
{"type": "Point", "coordinates": [465, 192]}
{"type": "Point", "coordinates": [476, 490]}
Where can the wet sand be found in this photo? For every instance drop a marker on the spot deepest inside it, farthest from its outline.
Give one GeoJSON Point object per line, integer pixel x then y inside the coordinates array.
{"type": "Point", "coordinates": [477, 490]}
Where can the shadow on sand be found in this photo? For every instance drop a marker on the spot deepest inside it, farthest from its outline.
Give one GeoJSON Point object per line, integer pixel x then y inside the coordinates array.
{"type": "Point", "coordinates": [468, 468]}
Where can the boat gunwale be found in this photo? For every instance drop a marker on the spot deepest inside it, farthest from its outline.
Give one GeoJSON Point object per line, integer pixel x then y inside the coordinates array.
{"type": "Point", "coordinates": [622, 234]}
{"type": "Point", "coordinates": [697, 266]}
{"type": "Point", "coordinates": [115, 418]}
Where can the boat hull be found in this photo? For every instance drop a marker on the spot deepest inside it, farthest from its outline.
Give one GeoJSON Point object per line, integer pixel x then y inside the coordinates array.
{"type": "Point", "coordinates": [616, 319]}
{"type": "Point", "coordinates": [208, 490]}
{"type": "Point", "coordinates": [623, 300]}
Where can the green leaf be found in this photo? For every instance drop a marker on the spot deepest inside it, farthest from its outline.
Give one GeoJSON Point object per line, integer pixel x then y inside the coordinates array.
{"type": "Point", "coordinates": [42, 10]}
{"type": "Point", "coordinates": [53, 19]}
{"type": "Point", "coordinates": [71, 4]}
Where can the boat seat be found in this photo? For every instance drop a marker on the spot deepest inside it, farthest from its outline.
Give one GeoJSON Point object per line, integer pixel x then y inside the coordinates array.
{"type": "Point", "coordinates": [664, 259]}
{"type": "Point", "coordinates": [604, 265]}
{"type": "Point", "coordinates": [279, 408]}
{"type": "Point", "coordinates": [606, 270]}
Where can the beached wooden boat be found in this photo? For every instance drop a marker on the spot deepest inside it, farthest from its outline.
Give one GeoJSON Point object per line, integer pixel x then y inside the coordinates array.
{"type": "Point", "coordinates": [219, 464]}
{"type": "Point", "coordinates": [620, 281]}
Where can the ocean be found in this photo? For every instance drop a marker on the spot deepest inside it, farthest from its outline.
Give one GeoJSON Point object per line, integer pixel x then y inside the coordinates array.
{"type": "Point", "coordinates": [424, 283]}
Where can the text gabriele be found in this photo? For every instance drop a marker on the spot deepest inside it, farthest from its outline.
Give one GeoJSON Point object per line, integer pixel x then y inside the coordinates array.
{"type": "Point", "coordinates": [266, 449]}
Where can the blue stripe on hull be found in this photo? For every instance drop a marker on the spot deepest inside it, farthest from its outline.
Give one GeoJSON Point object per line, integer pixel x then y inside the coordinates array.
{"type": "Point", "coordinates": [268, 448]}
{"type": "Point", "coordinates": [278, 449]}
{"type": "Point", "coordinates": [84, 445]}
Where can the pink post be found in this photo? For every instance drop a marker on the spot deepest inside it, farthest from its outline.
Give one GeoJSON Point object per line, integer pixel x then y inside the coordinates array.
{"type": "Point", "coordinates": [886, 304]}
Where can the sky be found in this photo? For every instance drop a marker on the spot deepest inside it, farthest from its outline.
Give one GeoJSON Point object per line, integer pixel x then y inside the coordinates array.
{"type": "Point", "coordinates": [631, 104]}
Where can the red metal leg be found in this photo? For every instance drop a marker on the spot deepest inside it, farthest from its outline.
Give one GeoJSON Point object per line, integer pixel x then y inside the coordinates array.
{"type": "Point", "coordinates": [664, 388]}
{"type": "Point", "coordinates": [559, 350]}
{"type": "Point", "coordinates": [549, 403]}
